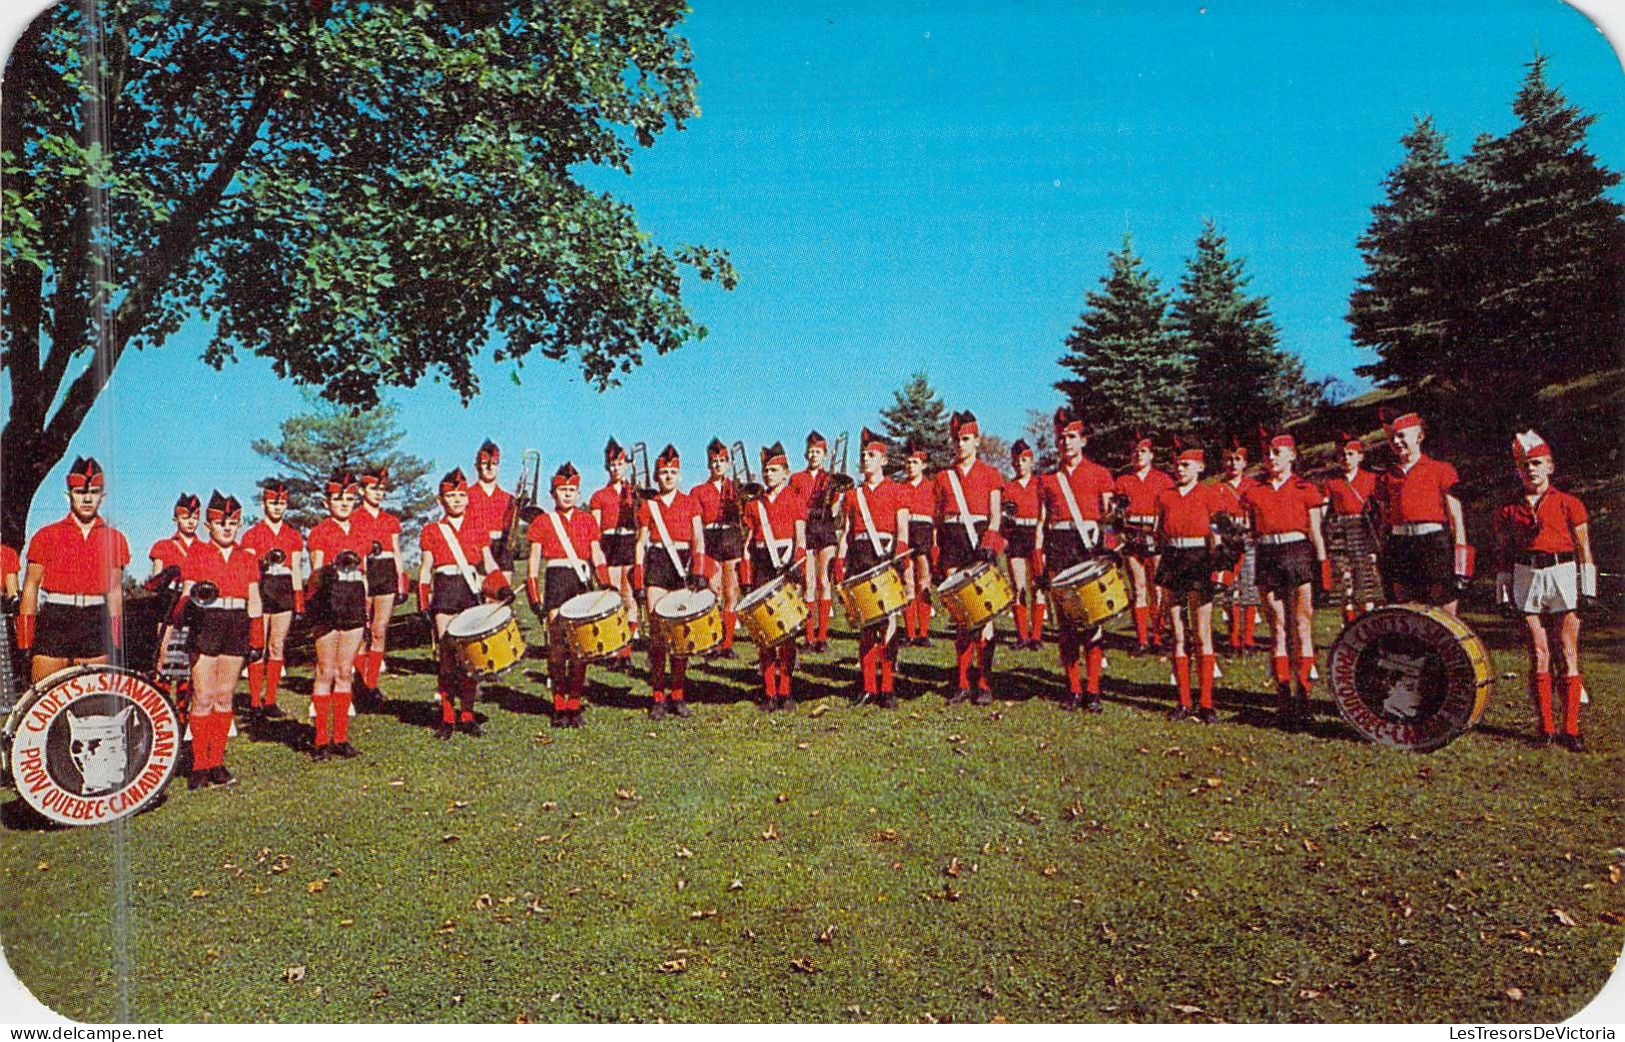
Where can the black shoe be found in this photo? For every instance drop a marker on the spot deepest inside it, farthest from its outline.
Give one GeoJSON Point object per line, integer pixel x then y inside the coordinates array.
{"type": "Point", "coordinates": [1071, 703]}
{"type": "Point", "coordinates": [768, 704]}
{"type": "Point", "coordinates": [1141, 650]}
{"type": "Point", "coordinates": [887, 701]}
{"type": "Point", "coordinates": [1546, 739]}
{"type": "Point", "coordinates": [199, 780]}
{"type": "Point", "coordinates": [788, 703]}
{"type": "Point", "coordinates": [443, 732]}
{"type": "Point", "coordinates": [1573, 743]}
{"type": "Point", "coordinates": [920, 642]}
{"type": "Point", "coordinates": [221, 776]}
{"type": "Point", "coordinates": [471, 728]}
{"type": "Point", "coordinates": [1207, 716]}
{"type": "Point", "coordinates": [1179, 712]}
{"type": "Point", "coordinates": [1093, 704]}
{"type": "Point", "coordinates": [319, 754]}
{"type": "Point", "coordinates": [271, 712]}
{"type": "Point", "coordinates": [346, 750]}
{"type": "Point", "coordinates": [561, 718]}
{"type": "Point", "coordinates": [984, 697]}
{"type": "Point", "coordinates": [962, 695]}
{"type": "Point", "coordinates": [575, 718]}
{"type": "Point", "coordinates": [681, 709]}
{"type": "Point", "coordinates": [657, 711]}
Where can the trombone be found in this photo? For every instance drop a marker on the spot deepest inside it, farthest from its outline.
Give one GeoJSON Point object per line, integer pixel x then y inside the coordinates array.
{"type": "Point", "coordinates": [739, 469]}
{"type": "Point", "coordinates": [840, 480]}
{"type": "Point", "coordinates": [642, 476]}
{"type": "Point", "coordinates": [522, 508]}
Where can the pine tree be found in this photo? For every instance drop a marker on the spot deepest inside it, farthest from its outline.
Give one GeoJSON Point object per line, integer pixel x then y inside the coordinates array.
{"type": "Point", "coordinates": [313, 444]}
{"type": "Point", "coordinates": [1131, 368]}
{"type": "Point", "coordinates": [1551, 297]}
{"type": "Point", "coordinates": [918, 413]}
{"type": "Point", "coordinates": [1240, 377]}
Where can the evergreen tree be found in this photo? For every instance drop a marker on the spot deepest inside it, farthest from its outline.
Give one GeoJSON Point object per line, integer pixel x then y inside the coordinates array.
{"type": "Point", "coordinates": [917, 412]}
{"type": "Point", "coordinates": [1040, 434]}
{"type": "Point", "coordinates": [314, 444]}
{"type": "Point", "coordinates": [1130, 367]}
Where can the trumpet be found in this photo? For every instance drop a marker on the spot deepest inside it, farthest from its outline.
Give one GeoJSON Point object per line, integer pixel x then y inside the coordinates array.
{"type": "Point", "coordinates": [840, 482]}
{"type": "Point", "coordinates": [745, 483]}
{"type": "Point", "coordinates": [642, 476]}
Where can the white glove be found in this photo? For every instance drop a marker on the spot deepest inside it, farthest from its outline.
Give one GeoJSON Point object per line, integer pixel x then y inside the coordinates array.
{"type": "Point", "coordinates": [1588, 580]}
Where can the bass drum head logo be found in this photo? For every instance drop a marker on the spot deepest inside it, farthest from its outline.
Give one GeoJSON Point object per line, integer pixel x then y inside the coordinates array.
{"type": "Point", "coordinates": [92, 744]}
{"type": "Point", "coordinates": [1406, 677]}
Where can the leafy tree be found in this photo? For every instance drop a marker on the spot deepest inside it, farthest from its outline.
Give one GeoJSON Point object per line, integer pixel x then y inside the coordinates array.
{"type": "Point", "coordinates": [1040, 434]}
{"type": "Point", "coordinates": [995, 451]}
{"type": "Point", "coordinates": [918, 413]}
{"type": "Point", "coordinates": [1131, 368]}
{"type": "Point", "coordinates": [367, 194]}
{"type": "Point", "coordinates": [313, 444]}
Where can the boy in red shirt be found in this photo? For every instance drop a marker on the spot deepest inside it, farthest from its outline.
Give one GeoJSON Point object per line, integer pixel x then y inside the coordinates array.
{"type": "Point", "coordinates": [1021, 496]}
{"type": "Point", "coordinates": [1349, 540]}
{"type": "Point", "coordinates": [278, 548]}
{"type": "Point", "coordinates": [458, 572]}
{"type": "Point", "coordinates": [968, 512]}
{"type": "Point", "coordinates": [1140, 486]}
{"type": "Point", "coordinates": [1239, 575]}
{"type": "Point", "coordinates": [876, 531]}
{"type": "Point", "coordinates": [670, 554]}
{"type": "Point", "coordinates": [813, 487]}
{"type": "Point", "coordinates": [565, 558]}
{"type": "Point", "coordinates": [1185, 536]}
{"type": "Point", "coordinates": [615, 508]}
{"type": "Point", "coordinates": [1545, 572]}
{"type": "Point", "coordinates": [488, 504]}
{"type": "Point", "coordinates": [776, 524]}
{"type": "Point", "coordinates": [1424, 519]}
{"type": "Point", "coordinates": [919, 493]}
{"type": "Point", "coordinates": [1069, 536]}
{"type": "Point", "coordinates": [719, 516]}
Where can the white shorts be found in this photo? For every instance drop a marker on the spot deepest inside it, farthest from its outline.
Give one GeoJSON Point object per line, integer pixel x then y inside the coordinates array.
{"type": "Point", "coordinates": [1545, 591]}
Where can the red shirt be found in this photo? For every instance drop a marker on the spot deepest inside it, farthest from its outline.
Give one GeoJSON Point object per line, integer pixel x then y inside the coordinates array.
{"type": "Point", "coordinates": [1186, 514]}
{"type": "Point", "coordinates": [978, 485]}
{"type": "Point", "coordinates": [262, 540]}
{"type": "Point", "coordinates": [1547, 527]}
{"type": "Point", "coordinates": [784, 509]}
{"type": "Point", "coordinates": [710, 495]}
{"type": "Point", "coordinates": [330, 540]}
{"type": "Point", "coordinates": [1227, 496]}
{"type": "Point", "coordinates": [9, 565]}
{"type": "Point", "coordinates": [1351, 497]}
{"type": "Point", "coordinates": [488, 510]}
{"type": "Point", "coordinates": [884, 499]}
{"type": "Point", "coordinates": [379, 527]}
{"type": "Point", "coordinates": [1418, 494]}
{"type": "Point", "coordinates": [921, 499]}
{"type": "Point", "coordinates": [1090, 481]}
{"type": "Point", "coordinates": [679, 516]}
{"type": "Point", "coordinates": [606, 503]}
{"type": "Point", "coordinates": [1025, 497]}
{"type": "Point", "coordinates": [579, 526]}
{"type": "Point", "coordinates": [805, 482]}
{"type": "Point", "coordinates": [1277, 510]}
{"type": "Point", "coordinates": [171, 550]}
{"type": "Point", "coordinates": [1142, 492]}
{"type": "Point", "coordinates": [76, 560]}
{"type": "Point", "coordinates": [470, 536]}
{"type": "Point", "coordinates": [234, 574]}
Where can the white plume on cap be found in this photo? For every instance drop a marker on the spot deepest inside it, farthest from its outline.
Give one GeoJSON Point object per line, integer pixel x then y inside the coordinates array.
{"type": "Point", "coordinates": [1528, 445]}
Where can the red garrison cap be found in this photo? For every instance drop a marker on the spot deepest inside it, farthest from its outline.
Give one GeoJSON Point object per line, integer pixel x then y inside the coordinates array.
{"type": "Point", "coordinates": [223, 508]}
{"type": "Point", "coordinates": [963, 423]}
{"type": "Point", "coordinates": [188, 504]}
{"type": "Point", "coordinates": [668, 458]}
{"type": "Point", "coordinates": [566, 475]}
{"type": "Point", "coordinates": [453, 481]}
{"type": "Point", "coordinates": [873, 442]}
{"type": "Point", "coordinates": [86, 473]}
{"type": "Point", "coordinates": [774, 454]}
{"type": "Point", "coordinates": [488, 451]}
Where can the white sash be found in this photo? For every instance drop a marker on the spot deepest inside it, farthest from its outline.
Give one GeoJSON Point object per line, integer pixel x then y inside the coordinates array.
{"type": "Point", "coordinates": [964, 509]}
{"type": "Point", "coordinates": [449, 534]}
{"type": "Point", "coordinates": [869, 522]}
{"type": "Point", "coordinates": [665, 538]}
{"type": "Point", "coordinates": [1071, 497]}
{"type": "Point", "coordinates": [576, 563]}
{"type": "Point", "coordinates": [767, 530]}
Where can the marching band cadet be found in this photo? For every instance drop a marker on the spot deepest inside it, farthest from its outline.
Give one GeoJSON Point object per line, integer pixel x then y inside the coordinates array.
{"type": "Point", "coordinates": [1286, 522]}
{"type": "Point", "coordinates": [1349, 544]}
{"type": "Point", "coordinates": [171, 550]}
{"type": "Point", "coordinates": [338, 547]}
{"type": "Point", "coordinates": [278, 548]}
{"type": "Point", "coordinates": [920, 496]}
{"type": "Point", "coordinates": [222, 632]}
{"type": "Point", "coordinates": [564, 557]}
{"type": "Point", "coordinates": [1545, 572]}
{"type": "Point", "coordinates": [614, 507]}
{"type": "Point", "coordinates": [1075, 498]}
{"type": "Point", "coordinates": [670, 553]}
{"type": "Point", "coordinates": [458, 571]}
{"type": "Point", "coordinates": [1241, 583]}
{"type": "Point", "coordinates": [877, 519]}
{"type": "Point", "coordinates": [386, 579]}
{"type": "Point", "coordinates": [968, 514]}
{"type": "Point", "coordinates": [719, 515]}
{"type": "Point", "coordinates": [777, 543]}
{"type": "Point", "coordinates": [812, 487]}
{"type": "Point", "coordinates": [72, 609]}
{"type": "Point", "coordinates": [488, 505]}
{"type": "Point", "coordinates": [1141, 485]}
{"type": "Point", "coordinates": [1185, 534]}
{"type": "Point", "coordinates": [1423, 518]}
{"type": "Point", "coordinates": [1021, 496]}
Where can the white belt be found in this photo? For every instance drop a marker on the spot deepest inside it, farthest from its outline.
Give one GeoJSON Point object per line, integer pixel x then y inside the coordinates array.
{"type": "Point", "coordinates": [1282, 538]}
{"type": "Point", "coordinates": [778, 544]}
{"type": "Point", "coordinates": [1026, 522]}
{"type": "Point", "coordinates": [674, 545]}
{"type": "Point", "coordinates": [350, 577]}
{"type": "Point", "coordinates": [448, 569]}
{"type": "Point", "coordinates": [1187, 542]}
{"type": "Point", "coordinates": [973, 517]}
{"type": "Point", "coordinates": [77, 600]}
{"type": "Point", "coordinates": [884, 537]}
{"type": "Point", "coordinates": [277, 569]}
{"type": "Point", "coordinates": [1066, 526]}
{"type": "Point", "coordinates": [226, 604]}
{"type": "Point", "coordinates": [720, 524]}
{"type": "Point", "coordinates": [386, 555]}
{"type": "Point", "coordinates": [562, 563]}
{"type": "Point", "coordinates": [1416, 528]}
{"type": "Point", "coordinates": [620, 531]}
{"type": "Point", "coordinates": [1141, 519]}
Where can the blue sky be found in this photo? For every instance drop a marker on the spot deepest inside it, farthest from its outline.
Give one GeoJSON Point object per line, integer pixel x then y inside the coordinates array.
{"type": "Point", "coordinates": [936, 186]}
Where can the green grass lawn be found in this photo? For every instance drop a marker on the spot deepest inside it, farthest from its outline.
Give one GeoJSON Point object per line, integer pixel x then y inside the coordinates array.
{"type": "Point", "coordinates": [850, 864]}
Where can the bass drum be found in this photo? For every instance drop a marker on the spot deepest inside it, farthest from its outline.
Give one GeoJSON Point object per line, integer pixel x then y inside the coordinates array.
{"type": "Point", "coordinates": [91, 744]}
{"type": "Point", "coordinates": [1411, 676]}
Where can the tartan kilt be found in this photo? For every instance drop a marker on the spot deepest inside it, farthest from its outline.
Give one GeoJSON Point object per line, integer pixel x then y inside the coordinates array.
{"type": "Point", "coordinates": [1243, 593]}
{"type": "Point", "coordinates": [1350, 545]}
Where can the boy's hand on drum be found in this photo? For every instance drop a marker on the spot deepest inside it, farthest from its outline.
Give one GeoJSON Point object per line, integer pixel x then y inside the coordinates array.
{"type": "Point", "coordinates": [695, 581]}
{"type": "Point", "coordinates": [837, 570]}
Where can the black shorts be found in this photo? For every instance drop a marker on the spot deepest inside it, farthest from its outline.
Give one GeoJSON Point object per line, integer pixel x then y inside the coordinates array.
{"type": "Point", "coordinates": [502, 553]}
{"type": "Point", "coordinates": [657, 568]}
{"type": "Point", "coordinates": [558, 586]}
{"type": "Point", "coordinates": [1419, 560]}
{"type": "Point", "coordinates": [919, 536]}
{"type": "Point", "coordinates": [382, 576]}
{"type": "Point", "coordinates": [66, 631]}
{"type": "Point", "coordinates": [820, 533]}
{"type": "Point", "coordinates": [762, 569]}
{"type": "Point", "coordinates": [1063, 548]}
{"type": "Point", "coordinates": [1020, 539]}
{"type": "Point", "coordinates": [1283, 567]}
{"type": "Point", "coordinates": [724, 542]}
{"type": "Point", "coordinates": [451, 594]}
{"type": "Point", "coordinates": [860, 554]}
{"type": "Point", "coordinates": [956, 549]}
{"type": "Point", "coordinates": [338, 604]}
{"type": "Point", "coordinates": [619, 548]}
{"type": "Point", "coordinates": [1187, 570]}
{"type": "Point", "coordinates": [276, 594]}
{"type": "Point", "coordinates": [217, 631]}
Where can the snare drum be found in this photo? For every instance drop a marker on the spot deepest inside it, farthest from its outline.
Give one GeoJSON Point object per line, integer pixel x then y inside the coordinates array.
{"type": "Point", "coordinates": [594, 624]}
{"type": "Point", "coordinates": [873, 595]}
{"type": "Point", "coordinates": [774, 612]}
{"type": "Point", "coordinates": [689, 622]}
{"type": "Point", "coordinates": [976, 595]}
{"type": "Point", "coordinates": [1089, 593]}
{"type": "Point", "coordinates": [485, 639]}
{"type": "Point", "coordinates": [1411, 676]}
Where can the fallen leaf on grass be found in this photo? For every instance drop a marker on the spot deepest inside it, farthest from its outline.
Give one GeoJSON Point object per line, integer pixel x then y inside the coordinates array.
{"type": "Point", "coordinates": [1513, 994]}
{"type": "Point", "coordinates": [293, 974]}
{"type": "Point", "coordinates": [1308, 994]}
{"type": "Point", "coordinates": [1611, 918]}
{"type": "Point", "coordinates": [346, 922]}
{"type": "Point", "coordinates": [1360, 958]}
{"type": "Point", "coordinates": [684, 852]}
{"type": "Point", "coordinates": [482, 902]}
{"type": "Point", "coordinates": [801, 965]}
{"type": "Point", "coordinates": [1048, 871]}
{"type": "Point", "coordinates": [549, 804]}
{"type": "Point", "coordinates": [748, 934]}
{"type": "Point", "coordinates": [198, 894]}
{"type": "Point", "coordinates": [674, 966]}
{"type": "Point", "coordinates": [771, 832]}
{"type": "Point", "coordinates": [801, 745]}
{"type": "Point", "coordinates": [737, 884]}
{"type": "Point", "coordinates": [448, 838]}
{"type": "Point", "coordinates": [827, 934]}
{"type": "Point", "coordinates": [953, 868]}
{"type": "Point", "coordinates": [1220, 836]}
{"type": "Point", "coordinates": [819, 710]}
{"type": "Point", "coordinates": [449, 926]}
{"type": "Point", "coordinates": [1562, 917]}
{"type": "Point", "coordinates": [1310, 845]}
{"type": "Point", "coordinates": [1276, 981]}
{"type": "Point", "coordinates": [703, 913]}
{"type": "Point", "coordinates": [43, 866]}
{"type": "Point", "coordinates": [886, 836]}
{"type": "Point", "coordinates": [315, 886]}
{"type": "Point", "coordinates": [1185, 1008]}
{"type": "Point", "coordinates": [456, 805]}
{"type": "Point", "coordinates": [1615, 874]}
{"type": "Point", "coordinates": [626, 793]}
{"type": "Point", "coordinates": [783, 797]}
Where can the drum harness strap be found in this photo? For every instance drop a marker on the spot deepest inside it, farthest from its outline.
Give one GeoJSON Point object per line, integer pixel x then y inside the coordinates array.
{"type": "Point", "coordinates": [1071, 497]}
{"type": "Point", "coordinates": [869, 523]}
{"type": "Point", "coordinates": [767, 530]}
{"type": "Point", "coordinates": [449, 534]}
{"type": "Point", "coordinates": [964, 508]}
{"type": "Point", "coordinates": [665, 537]}
{"type": "Point", "coordinates": [576, 563]}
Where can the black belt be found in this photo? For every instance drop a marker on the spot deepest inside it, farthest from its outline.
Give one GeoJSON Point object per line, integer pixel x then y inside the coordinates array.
{"type": "Point", "coordinates": [1537, 559]}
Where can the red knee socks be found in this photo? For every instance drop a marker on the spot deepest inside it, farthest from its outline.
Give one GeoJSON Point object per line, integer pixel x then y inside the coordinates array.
{"type": "Point", "coordinates": [1249, 638]}
{"type": "Point", "coordinates": [1142, 620]}
{"type": "Point", "coordinates": [823, 618]}
{"type": "Point", "coordinates": [1021, 622]}
{"type": "Point", "coordinates": [729, 620]}
{"type": "Point", "coordinates": [984, 662]}
{"type": "Point", "coordinates": [1572, 686]}
{"type": "Point", "coordinates": [324, 707]}
{"type": "Point", "coordinates": [273, 677]}
{"type": "Point", "coordinates": [1036, 632]}
{"type": "Point", "coordinates": [1206, 681]}
{"type": "Point", "coordinates": [787, 667]}
{"type": "Point", "coordinates": [964, 654]}
{"type": "Point", "coordinates": [1306, 669]}
{"type": "Point", "coordinates": [679, 677]}
{"type": "Point", "coordinates": [341, 717]}
{"type": "Point", "coordinates": [1283, 674]}
{"type": "Point", "coordinates": [869, 660]}
{"type": "Point", "coordinates": [256, 683]}
{"type": "Point", "coordinates": [1096, 658]}
{"type": "Point", "coordinates": [1543, 702]}
{"type": "Point", "coordinates": [1182, 679]}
